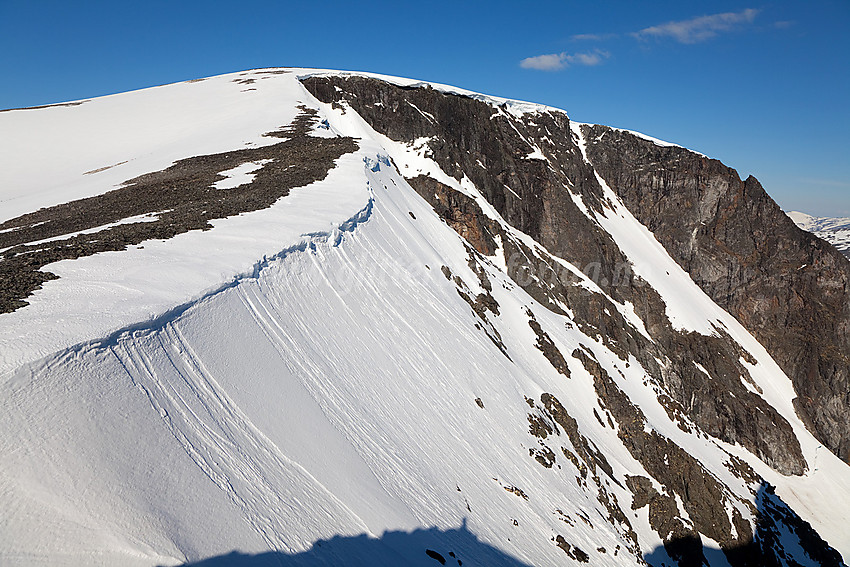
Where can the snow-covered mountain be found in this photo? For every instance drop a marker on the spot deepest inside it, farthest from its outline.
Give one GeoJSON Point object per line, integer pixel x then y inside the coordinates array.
{"type": "Point", "coordinates": [836, 231]}
{"type": "Point", "coordinates": [304, 317]}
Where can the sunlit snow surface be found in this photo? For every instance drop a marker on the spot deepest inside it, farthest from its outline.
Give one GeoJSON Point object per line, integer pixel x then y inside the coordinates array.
{"type": "Point", "coordinates": [306, 371]}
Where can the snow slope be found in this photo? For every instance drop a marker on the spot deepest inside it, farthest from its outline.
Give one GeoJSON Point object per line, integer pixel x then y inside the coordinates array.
{"type": "Point", "coordinates": [308, 371]}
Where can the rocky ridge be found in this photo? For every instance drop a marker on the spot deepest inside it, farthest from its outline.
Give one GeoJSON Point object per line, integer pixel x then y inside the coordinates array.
{"type": "Point", "coordinates": [537, 172]}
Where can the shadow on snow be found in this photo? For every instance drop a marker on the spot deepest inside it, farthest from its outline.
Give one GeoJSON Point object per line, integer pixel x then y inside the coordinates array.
{"type": "Point", "coordinates": [423, 547]}
{"type": "Point", "coordinates": [781, 538]}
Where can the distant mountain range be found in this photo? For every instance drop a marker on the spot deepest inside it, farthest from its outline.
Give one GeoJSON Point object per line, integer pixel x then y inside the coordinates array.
{"type": "Point", "coordinates": [836, 231]}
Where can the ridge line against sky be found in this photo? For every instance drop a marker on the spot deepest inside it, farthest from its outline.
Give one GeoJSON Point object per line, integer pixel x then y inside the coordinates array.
{"type": "Point", "coordinates": [762, 87]}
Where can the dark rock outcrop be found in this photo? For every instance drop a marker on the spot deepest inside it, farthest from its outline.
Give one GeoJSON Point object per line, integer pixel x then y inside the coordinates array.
{"type": "Point", "coordinates": [786, 286]}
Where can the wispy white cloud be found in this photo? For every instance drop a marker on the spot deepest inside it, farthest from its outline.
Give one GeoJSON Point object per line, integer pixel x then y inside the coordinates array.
{"type": "Point", "coordinates": [549, 62]}
{"type": "Point", "coordinates": [693, 30]}
{"type": "Point", "coordinates": [558, 61]}
{"type": "Point", "coordinates": [699, 29]}
{"type": "Point", "coordinates": [593, 36]}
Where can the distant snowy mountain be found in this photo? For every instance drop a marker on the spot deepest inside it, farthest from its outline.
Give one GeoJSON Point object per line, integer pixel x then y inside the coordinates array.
{"type": "Point", "coordinates": [308, 317]}
{"type": "Point", "coordinates": [836, 231]}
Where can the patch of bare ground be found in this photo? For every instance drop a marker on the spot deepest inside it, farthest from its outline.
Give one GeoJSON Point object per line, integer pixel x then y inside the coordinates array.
{"type": "Point", "coordinates": [75, 103]}
{"type": "Point", "coordinates": [182, 196]}
{"type": "Point", "coordinates": [104, 168]}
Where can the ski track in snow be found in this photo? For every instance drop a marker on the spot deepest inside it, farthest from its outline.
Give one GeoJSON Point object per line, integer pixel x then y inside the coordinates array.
{"type": "Point", "coordinates": [233, 453]}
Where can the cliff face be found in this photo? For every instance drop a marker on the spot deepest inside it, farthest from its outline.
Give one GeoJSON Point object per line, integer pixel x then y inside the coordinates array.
{"type": "Point", "coordinates": [491, 148]}
{"type": "Point", "coordinates": [785, 285]}
{"type": "Point", "coordinates": [537, 173]}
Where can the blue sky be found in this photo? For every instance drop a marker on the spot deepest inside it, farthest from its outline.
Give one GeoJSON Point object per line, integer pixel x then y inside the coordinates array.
{"type": "Point", "coordinates": [764, 87]}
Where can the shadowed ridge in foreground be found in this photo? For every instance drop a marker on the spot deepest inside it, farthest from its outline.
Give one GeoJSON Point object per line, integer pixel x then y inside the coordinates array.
{"type": "Point", "coordinates": [775, 526]}
{"type": "Point", "coordinates": [424, 547]}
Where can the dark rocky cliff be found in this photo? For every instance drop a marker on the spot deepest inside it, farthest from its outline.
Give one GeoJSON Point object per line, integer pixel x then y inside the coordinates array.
{"type": "Point", "coordinates": [788, 287]}
{"type": "Point", "coordinates": [495, 150]}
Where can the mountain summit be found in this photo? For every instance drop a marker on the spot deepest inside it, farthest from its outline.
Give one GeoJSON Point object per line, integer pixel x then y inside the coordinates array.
{"type": "Point", "coordinates": [308, 317]}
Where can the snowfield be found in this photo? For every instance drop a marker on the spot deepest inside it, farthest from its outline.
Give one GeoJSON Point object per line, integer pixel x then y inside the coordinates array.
{"type": "Point", "coordinates": [307, 371]}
